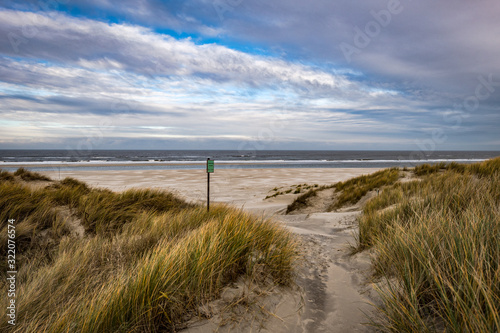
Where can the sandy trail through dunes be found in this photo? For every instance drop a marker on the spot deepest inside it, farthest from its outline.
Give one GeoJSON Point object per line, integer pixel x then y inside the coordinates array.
{"type": "Point", "coordinates": [332, 292]}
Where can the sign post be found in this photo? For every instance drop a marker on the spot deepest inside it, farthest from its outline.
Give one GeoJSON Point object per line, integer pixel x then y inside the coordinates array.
{"type": "Point", "coordinates": [210, 169]}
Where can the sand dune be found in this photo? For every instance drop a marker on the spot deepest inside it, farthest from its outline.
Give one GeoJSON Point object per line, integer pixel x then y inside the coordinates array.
{"type": "Point", "coordinates": [332, 292]}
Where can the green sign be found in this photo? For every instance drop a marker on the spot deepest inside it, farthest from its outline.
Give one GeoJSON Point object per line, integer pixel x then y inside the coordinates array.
{"type": "Point", "coordinates": [210, 166]}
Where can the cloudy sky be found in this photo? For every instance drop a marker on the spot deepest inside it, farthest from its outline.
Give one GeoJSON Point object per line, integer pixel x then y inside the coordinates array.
{"type": "Point", "coordinates": [250, 74]}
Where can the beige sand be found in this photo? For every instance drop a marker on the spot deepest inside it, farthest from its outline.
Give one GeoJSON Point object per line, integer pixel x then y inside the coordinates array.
{"type": "Point", "coordinates": [332, 293]}
{"type": "Point", "coordinates": [240, 187]}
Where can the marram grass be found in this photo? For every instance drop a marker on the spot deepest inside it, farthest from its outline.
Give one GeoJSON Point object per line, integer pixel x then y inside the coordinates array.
{"type": "Point", "coordinates": [350, 191]}
{"type": "Point", "coordinates": [437, 245]}
{"type": "Point", "coordinates": [156, 262]}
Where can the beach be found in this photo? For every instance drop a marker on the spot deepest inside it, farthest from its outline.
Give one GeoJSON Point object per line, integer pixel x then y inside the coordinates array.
{"type": "Point", "coordinates": [332, 292]}
{"type": "Point", "coordinates": [240, 187]}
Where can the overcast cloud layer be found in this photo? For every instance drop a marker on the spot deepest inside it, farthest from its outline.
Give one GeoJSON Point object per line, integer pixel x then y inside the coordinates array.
{"type": "Point", "coordinates": [244, 74]}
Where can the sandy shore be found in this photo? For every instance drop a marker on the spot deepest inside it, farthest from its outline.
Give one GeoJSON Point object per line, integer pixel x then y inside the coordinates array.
{"type": "Point", "coordinates": [240, 187]}
{"type": "Point", "coordinates": [332, 293]}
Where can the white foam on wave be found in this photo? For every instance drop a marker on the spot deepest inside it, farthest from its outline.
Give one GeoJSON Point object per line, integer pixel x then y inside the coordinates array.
{"type": "Point", "coordinates": [108, 162]}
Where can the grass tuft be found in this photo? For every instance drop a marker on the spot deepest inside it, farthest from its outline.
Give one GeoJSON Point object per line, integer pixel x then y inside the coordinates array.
{"type": "Point", "coordinates": [29, 176]}
{"type": "Point", "coordinates": [348, 192]}
{"type": "Point", "coordinates": [354, 189]}
{"type": "Point", "coordinates": [301, 201]}
{"type": "Point", "coordinates": [6, 176]}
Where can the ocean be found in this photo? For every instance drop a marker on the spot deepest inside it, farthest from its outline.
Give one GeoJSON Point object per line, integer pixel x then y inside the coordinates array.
{"type": "Point", "coordinates": [49, 160]}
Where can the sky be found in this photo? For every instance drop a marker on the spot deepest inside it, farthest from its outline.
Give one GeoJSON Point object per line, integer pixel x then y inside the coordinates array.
{"type": "Point", "coordinates": [250, 74]}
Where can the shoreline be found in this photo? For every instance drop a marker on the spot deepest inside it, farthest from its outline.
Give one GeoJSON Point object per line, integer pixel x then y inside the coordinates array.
{"type": "Point", "coordinates": [101, 163]}
{"type": "Point", "coordinates": [127, 166]}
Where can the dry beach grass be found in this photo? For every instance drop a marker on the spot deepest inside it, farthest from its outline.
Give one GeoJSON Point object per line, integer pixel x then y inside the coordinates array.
{"type": "Point", "coordinates": [147, 259]}
{"type": "Point", "coordinates": [437, 244]}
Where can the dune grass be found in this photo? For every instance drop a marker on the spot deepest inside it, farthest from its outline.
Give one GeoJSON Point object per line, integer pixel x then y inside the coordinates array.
{"type": "Point", "coordinates": [6, 176]}
{"type": "Point", "coordinates": [352, 190]}
{"type": "Point", "coordinates": [482, 169]}
{"type": "Point", "coordinates": [33, 215]}
{"type": "Point", "coordinates": [437, 246]}
{"type": "Point", "coordinates": [29, 176]}
{"type": "Point", "coordinates": [147, 262]}
{"type": "Point", "coordinates": [103, 211]}
{"type": "Point", "coordinates": [296, 189]}
{"type": "Point", "coordinates": [302, 200]}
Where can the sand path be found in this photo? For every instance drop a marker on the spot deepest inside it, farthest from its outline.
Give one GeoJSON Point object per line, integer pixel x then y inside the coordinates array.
{"type": "Point", "coordinates": [334, 284]}
{"type": "Point", "coordinates": [332, 293]}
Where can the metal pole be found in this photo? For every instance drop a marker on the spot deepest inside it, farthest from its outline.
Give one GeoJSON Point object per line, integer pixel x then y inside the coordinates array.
{"type": "Point", "coordinates": [208, 187]}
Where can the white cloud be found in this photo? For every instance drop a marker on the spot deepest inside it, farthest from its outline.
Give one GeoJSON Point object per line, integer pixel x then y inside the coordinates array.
{"type": "Point", "coordinates": [99, 46]}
